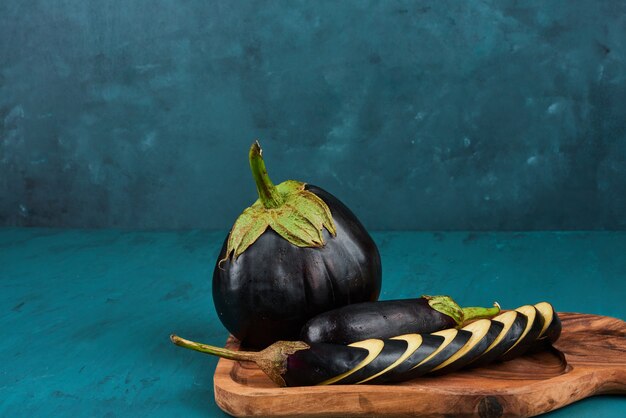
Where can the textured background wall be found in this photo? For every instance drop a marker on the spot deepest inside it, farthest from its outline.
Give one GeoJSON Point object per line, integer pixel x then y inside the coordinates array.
{"type": "Point", "coordinates": [421, 115]}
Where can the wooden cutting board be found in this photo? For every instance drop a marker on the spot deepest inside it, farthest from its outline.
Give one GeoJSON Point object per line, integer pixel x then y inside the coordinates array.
{"type": "Point", "coordinates": [589, 359]}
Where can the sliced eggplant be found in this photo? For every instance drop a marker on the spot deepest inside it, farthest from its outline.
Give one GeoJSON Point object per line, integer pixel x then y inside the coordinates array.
{"type": "Point", "coordinates": [400, 372]}
{"type": "Point", "coordinates": [513, 326]}
{"type": "Point", "coordinates": [484, 333]}
{"type": "Point", "coordinates": [411, 341]}
{"type": "Point", "coordinates": [373, 346]}
{"type": "Point", "coordinates": [401, 358]}
{"type": "Point", "coordinates": [391, 352]}
{"type": "Point", "coordinates": [454, 340]}
{"type": "Point", "coordinates": [310, 367]}
{"type": "Point", "coordinates": [530, 334]}
{"type": "Point", "coordinates": [551, 330]}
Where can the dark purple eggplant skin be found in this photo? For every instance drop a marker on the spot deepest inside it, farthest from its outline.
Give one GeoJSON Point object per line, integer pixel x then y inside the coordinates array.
{"type": "Point", "coordinates": [455, 345]}
{"type": "Point", "coordinates": [517, 329]}
{"type": "Point", "coordinates": [552, 334]}
{"type": "Point", "coordinates": [392, 350]}
{"type": "Point", "coordinates": [528, 341]}
{"type": "Point", "coordinates": [273, 288]}
{"type": "Point", "coordinates": [404, 371]}
{"type": "Point", "coordinates": [494, 330]}
{"type": "Point", "coordinates": [321, 362]}
{"type": "Point", "coordinates": [382, 319]}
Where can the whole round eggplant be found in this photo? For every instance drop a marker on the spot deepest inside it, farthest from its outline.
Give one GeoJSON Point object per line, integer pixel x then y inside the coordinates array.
{"type": "Point", "coordinates": [296, 252]}
{"type": "Point", "coordinates": [388, 318]}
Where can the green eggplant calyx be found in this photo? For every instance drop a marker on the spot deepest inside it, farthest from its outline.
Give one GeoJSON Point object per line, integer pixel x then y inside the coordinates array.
{"type": "Point", "coordinates": [272, 360]}
{"type": "Point", "coordinates": [447, 306]}
{"type": "Point", "coordinates": [295, 213]}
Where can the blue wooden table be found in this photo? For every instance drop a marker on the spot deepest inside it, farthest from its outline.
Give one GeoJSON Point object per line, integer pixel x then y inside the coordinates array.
{"type": "Point", "coordinates": [86, 315]}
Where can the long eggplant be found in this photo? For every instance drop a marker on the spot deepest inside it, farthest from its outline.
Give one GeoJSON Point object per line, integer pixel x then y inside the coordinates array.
{"type": "Point", "coordinates": [401, 358]}
{"type": "Point", "coordinates": [386, 319]}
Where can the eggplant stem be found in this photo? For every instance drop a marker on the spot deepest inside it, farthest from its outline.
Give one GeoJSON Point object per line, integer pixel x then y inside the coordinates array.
{"type": "Point", "coordinates": [268, 193]}
{"type": "Point", "coordinates": [216, 351]}
{"type": "Point", "coordinates": [473, 313]}
{"type": "Point", "coordinates": [272, 360]}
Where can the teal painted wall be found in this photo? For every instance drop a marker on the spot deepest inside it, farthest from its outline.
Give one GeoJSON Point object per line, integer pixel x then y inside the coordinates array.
{"type": "Point", "coordinates": [418, 115]}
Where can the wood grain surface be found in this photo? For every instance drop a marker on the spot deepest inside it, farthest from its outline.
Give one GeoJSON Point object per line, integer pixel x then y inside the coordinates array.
{"type": "Point", "coordinates": [589, 359]}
